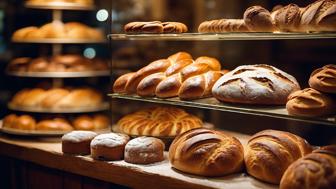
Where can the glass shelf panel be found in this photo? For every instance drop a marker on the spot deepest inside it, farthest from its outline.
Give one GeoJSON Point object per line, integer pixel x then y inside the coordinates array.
{"type": "Point", "coordinates": [223, 36]}
{"type": "Point", "coordinates": [212, 104]}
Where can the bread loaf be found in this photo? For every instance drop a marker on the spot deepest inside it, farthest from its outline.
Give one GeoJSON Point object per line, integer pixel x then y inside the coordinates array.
{"type": "Point", "coordinates": [287, 19]}
{"type": "Point", "coordinates": [222, 26]}
{"type": "Point", "coordinates": [77, 142]}
{"type": "Point", "coordinates": [206, 153]}
{"type": "Point", "coordinates": [255, 84]}
{"type": "Point", "coordinates": [258, 19]}
{"type": "Point", "coordinates": [159, 121]}
{"type": "Point", "coordinates": [314, 171]}
{"type": "Point", "coordinates": [324, 79]}
{"type": "Point", "coordinates": [155, 27]}
{"type": "Point", "coordinates": [310, 102]}
{"type": "Point", "coordinates": [269, 153]}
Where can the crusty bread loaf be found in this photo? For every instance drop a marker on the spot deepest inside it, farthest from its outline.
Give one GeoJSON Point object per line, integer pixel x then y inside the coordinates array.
{"type": "Point", "coordinates": [255, 84]}
{"type": "Point", "coordinates": [207, 153]}
{"type": "Point", "coordinates": [310, 102]}
{"type": "Point", "coordinates": [222, 26]}
{"type": "Point", "coordinates": [155, 27]}
{"type": "Point", "coordinates": [324, 79]}
{"type": "Point", "coordinates": [269, 153]}
{"type": "Point", "coordinates": [258, 19]}
{"type": "Point", "coordinates": [314, 171]}
{"type": "Point", "coordinates": [287, 19]}
{"type": "Point", "coordinates": [58, 30]}
{"type": "Point", "coordinates": [57, 98]}
{"type": "Point", "coordinates": [144, 150]}
{"type": "Point", "coordinates": [159, 121]}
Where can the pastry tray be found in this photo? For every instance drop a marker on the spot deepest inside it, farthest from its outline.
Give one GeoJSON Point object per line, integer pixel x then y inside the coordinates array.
{"type": "Point", "coordinates": [21, 132]}
{"type": "Point", "coordinates": [104, 106]}
{"type": "Point", "coordinates": [60, 41]}
{"type": "Point", "coordinates": [59, 74]}
{"type": "Point", "coordinates": [59, 6]}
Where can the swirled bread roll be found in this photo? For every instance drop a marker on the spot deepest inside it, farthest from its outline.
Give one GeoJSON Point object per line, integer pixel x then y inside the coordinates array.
{"type": "Point", "coordinates": [269, 153]}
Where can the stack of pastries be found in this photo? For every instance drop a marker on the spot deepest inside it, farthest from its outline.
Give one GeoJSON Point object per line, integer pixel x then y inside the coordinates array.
{"type": "Point", "coordinates": [316, 17]}
{"type": "Point", "coordinates": [178, 75]}
{"type": "Point", "coordinates": [319, 100]}
{"type": "Point", "coordinates": [59, 98]}
{"type": "Point", "coordinates": [52, 2]}
{"type": "Point", "coordinates": [58, 30]}
{"type": "Point", "coordinates": [58, 63]}
{"type": "Point", "coordinates": [56, 123]}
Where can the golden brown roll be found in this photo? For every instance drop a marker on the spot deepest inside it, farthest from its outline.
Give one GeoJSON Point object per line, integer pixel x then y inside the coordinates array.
{"type": "Point", "coordinates": [19, 64]}
{"type": "Point", "coordinates": [159, 121]}
{"type": "Point", "coordinates": [119, 85]}
{"type": "Point", "coordinates": [258, 19]}
{"type": "Point", "coordinates": [144, 150]}
{"type": "Point", "coordinates": [57, 124]}
{"type": "Point", "coordinates": [269, 153]}
{"type": "Point", "coordinates": [324, 79]}
{"type": "Point", "coordinates": [174, 27]}
{"type": "Point", "coordinates": [95, 122]}
{"type": "Point", "coordinates": [24, 122]}
{"type": "Point", "coordinates": [22, 33]}
{"type": "Point", "coordinates": [310, 102]}
{"type": "Point", "coordinates": [77, 142]}
{"type": "Point", "coordinates": [314, 171]}
{"type": "Point", "coordinates": [100, 121]}
{"type": "Point", "coordinates": [9, 120]}
{"type": "Point", "coordinates": [207, 153]}
{"type": "Point", "coordinates": [109, 146]}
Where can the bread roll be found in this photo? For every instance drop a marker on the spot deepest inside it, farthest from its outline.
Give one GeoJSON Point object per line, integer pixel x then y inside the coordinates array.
{"type": "Point", "coordinates": [324, 79]}
{"type": "Point", "coordinates": [159, 121]}
{"type": "Point", "coordinates": [19, 64]}
{"type": "Point", "coordinates": [206, 153]}
{"type": "Point", "coordinates": [9, 120]}
{"type": "Point", "coordinates": [57, 124]}
{"type": "Point", "coordinates": [314, 171]}
{"type": "Point", "coordinates": [258, 19]}
{"type": "Point", "coordinates": [223, 25]}
{"type": "Point", "coordinates": [144, 150]}
{"type": "Point", "coordinates": [255, 84]}
{"type": "Point", "coordinates": [174, 27]}
{"type": "Point", "coordinates": [269, 153]}
{"type": "Point", "coordinates": [100, 121]}
{"type": "Point", "coordinates": [310, 102]}
{"type": "Point", "coordinates": [77, 142]}
{"type": "Point", "coordinates": [24, 122]}
{"type": "Point", "coordinates": [155, 27]}
{"type": "Point", "coordinates": [109, 146]}
{"type": "Point", "coordinates": [22, 33]}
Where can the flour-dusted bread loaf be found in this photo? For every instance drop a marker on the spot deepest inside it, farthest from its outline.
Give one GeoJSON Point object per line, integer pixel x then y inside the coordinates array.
{"type": "Point", "coordinates": [109, 146]}
{"type": "Point", "coordinates": [77, 142]}
{"type": "Point", "coordinates": [269, 153]}
{"type": "Point", "coordinates": [206, 152]}
{"type": "Point", "coordinates": [324, 79]}
{"type": "Point", "coordinates": [255, 84]}
{"type": "Point", "coordinates": [310, 102]}
{"type": "Point", "coordinates": [158, 121]}
{"type": "Point", "coordinates": [258, 19]}
{"type": "Point", "coordinates": [144, 150]}
{"type": "Point", "coordinates": [314, 171]}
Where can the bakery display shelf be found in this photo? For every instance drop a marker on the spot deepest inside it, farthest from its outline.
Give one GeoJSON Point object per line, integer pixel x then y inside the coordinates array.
{"type": "Point", "coordinates": [49, 154]}
{"type": "Point", "coordinates": [212, 104]}
{"type": "Point", "coordinates": [223, 36]}
{"type": "Point", "coordinates": [60, 41]}
{"type": "Point", "coordinates": [103, 107]}
{"type": "Point", "coordinates": [60, 6]}
{"type": "Point", "coordinates": [104, 73]}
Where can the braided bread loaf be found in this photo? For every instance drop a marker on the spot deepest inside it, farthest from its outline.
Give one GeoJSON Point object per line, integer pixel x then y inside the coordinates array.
{"type": "Point", "coordinates": [314, 171]}
{"type": "Point", "coordinates": [155, 27]}
{"type": "Point", "coordinates": [59, 30]}
{"type": "Point", "coordinates": [207, 153]}
{"type": "Point", "coordinates": [269, 153]}
{"type": "Point", "coordinates": [324, 79]}
{"type": "Point", "coordinates": [179, 75]}
{"type": "Point", "coordinates": [159, 121]}
{"type": "Point", "coordinates": [255, 84]}
{"type": "Point", "coordinates": [310, 102]}
{"type": "Point", "coordinates": [57, 98]}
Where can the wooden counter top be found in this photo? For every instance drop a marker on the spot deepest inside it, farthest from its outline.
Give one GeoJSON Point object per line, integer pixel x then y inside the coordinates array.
{"type": "Point", "coordinates": [48, 153]}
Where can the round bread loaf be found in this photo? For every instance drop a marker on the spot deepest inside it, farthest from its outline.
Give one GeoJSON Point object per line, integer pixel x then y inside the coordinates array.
{"type": "Point", "coordinates": [159, 121]}
{"type": "Point", "coordinates": [207, 153]}
{"type": "Point", "coordinates": [144, 150]}
{"type": "Point", "coordinates": [77, 142]}
{"type": "Point", "coordinates": [255, 84]}
{"type": "Point", "coordinates": [258, 19]}
{"type": "Point", "coordinates": [288, 18]}
{"type": "Point", "coordinates": [310, 102]}
{"type": "Point", "coordinates": [324, 79]}
{"type": "Point", "coordinates": [314, 171]}
{"type": "Point", "coordinates": [109, 146]}
{"type": "Point", "coordinates": [269, 153]}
